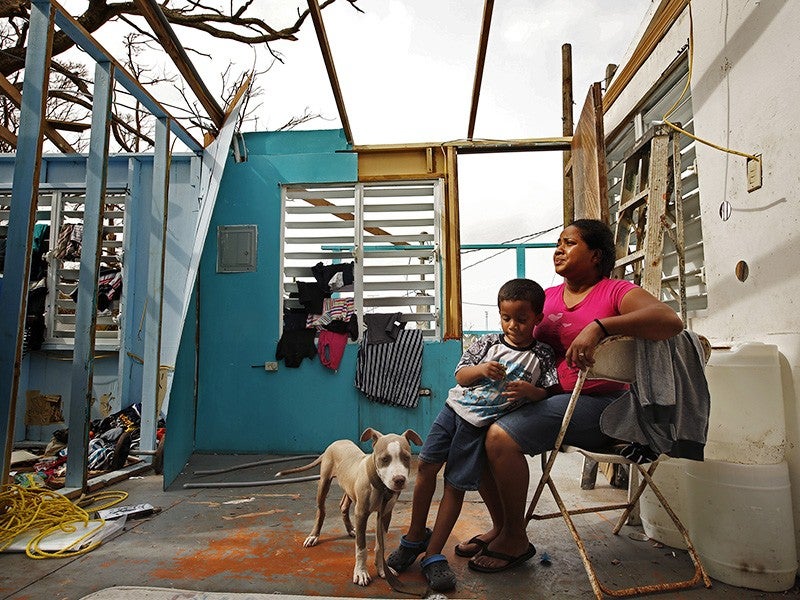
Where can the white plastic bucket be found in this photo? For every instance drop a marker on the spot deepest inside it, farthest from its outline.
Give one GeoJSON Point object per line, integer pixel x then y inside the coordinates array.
{"type": "Point", "coordinates": [741, 523]}
{"type": "Point", "coordinates": [747, 423]}
{"type": "Point", "coordinates": [657, 524]}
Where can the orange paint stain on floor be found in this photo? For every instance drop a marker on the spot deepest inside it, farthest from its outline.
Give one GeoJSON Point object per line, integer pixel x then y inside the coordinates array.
{"type": "Point", "coordinates": [245, 554]}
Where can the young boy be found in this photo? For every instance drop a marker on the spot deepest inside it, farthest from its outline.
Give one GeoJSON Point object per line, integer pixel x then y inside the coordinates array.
{"type": "Point", "coordinates": [496, 374]}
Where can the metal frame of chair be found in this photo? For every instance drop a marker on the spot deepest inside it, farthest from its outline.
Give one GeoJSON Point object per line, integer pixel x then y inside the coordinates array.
{"type": "Point", "coordinates": [614, 360]}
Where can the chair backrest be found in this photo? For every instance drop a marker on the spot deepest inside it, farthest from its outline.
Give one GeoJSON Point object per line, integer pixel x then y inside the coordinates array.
{"type": "Point", "coordinates": [615, 358]}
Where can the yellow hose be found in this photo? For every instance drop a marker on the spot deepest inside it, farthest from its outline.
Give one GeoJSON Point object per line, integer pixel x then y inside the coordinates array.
{"type": "Point", "coordinates": [38, 509]}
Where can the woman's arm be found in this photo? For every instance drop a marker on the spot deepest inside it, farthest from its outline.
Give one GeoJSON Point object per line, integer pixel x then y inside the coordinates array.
{"type": "Point", "coordinates": [641, 315]}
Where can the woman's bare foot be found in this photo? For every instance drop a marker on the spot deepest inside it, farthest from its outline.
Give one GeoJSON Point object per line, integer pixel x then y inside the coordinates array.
{"type": "Point", "coordinates": [476, 544]}
{"type": "Point", "coordinates": [501, 546]}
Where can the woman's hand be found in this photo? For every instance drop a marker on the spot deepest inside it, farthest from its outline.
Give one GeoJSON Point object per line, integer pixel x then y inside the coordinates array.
{"type": "Point", "coordinates": [580, 354]}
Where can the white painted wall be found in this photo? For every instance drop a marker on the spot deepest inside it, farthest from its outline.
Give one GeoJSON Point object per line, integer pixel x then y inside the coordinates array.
{"type": "Point", "coordinates": [745, 90]}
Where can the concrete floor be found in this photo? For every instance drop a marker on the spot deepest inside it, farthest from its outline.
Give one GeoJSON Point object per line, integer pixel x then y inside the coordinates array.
{"type": "Point", "coordinates": [249, 540]}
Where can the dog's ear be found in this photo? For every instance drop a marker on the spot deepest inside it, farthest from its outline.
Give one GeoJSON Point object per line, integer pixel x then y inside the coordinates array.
{"type": "Point", "coordinates": [413, 437]}
{"type": "Point", "coordinates": [370, 433]}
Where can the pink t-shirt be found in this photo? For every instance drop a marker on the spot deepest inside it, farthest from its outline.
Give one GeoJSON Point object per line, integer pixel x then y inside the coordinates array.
{"type": "Point", "coordinates": [561, 325]}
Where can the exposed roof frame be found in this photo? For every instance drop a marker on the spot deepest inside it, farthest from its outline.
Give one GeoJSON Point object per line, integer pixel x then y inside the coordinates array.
{"type": "Point", "coordinates": [488, 6]}
{"type": "Point", "coordinates": [93, 48]}
{"type": "Point", "coordinates": [322, 37]}
{"type": "Point", "coordinates": [13, 94]}
{"type": "Point", "coordinates": [172, 46]}
{"type": "Point", "coordinates": [663, 19]}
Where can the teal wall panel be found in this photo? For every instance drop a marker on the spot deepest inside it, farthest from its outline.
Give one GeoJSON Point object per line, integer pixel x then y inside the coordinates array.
{"type": "Point", "coordinates": [242, 408]}
{"type": "Point", "coordinates": [182, 411]}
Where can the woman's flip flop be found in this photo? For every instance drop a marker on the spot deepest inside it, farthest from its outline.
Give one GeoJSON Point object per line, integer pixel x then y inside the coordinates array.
{"type": "Point", "coordinates": [475, 541]}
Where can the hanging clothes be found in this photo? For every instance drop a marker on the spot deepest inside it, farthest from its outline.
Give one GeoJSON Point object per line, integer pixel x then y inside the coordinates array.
{"type": "Point", "coordinates": [333, 276]}
{"type": "Point", "coordinates": [390, 372]}
{"type": "Point", "coordinates": [331, 348]}
{"type": "Point", "coordinates": [311, 296]}
{"type": "Point", "coordinates": [295, 345]}
{"type": "Point", "coordinates": [333, 309]}
{"type": "Point", "coordinates": [383, 327]}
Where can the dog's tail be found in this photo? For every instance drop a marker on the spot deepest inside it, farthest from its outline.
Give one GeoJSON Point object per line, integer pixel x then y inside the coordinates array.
{"type": "Point", "coordinates": [298, 469]}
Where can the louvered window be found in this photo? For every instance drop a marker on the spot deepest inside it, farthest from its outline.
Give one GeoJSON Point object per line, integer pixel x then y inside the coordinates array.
{"type": "Point", "coordinates": [388, 231]}
{"type": "Point", "coordinates": [57, 248]}
{"type": "Point", "coordinates": [651, 110]}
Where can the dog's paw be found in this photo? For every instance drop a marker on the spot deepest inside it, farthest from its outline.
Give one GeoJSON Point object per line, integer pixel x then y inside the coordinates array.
{"type": "Point", "coordinates": [381, 572]}
{"type": "Point", "coordinates": [311, 541]}
{"type": "Point", "coordinates": [361, 577]}
{"type": "Point", "coordinates": [351, 532]}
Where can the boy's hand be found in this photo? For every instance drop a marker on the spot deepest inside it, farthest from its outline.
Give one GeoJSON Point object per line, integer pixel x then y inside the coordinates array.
{"type": "Point", "coordinates": [494, 370]}
{"type": "Point", "coordinates": [520, 391]}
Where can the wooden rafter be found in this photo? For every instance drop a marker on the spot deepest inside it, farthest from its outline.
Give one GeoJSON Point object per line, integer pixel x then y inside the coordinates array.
{"type": "Point", "coordinates": [13, 94]}
{"type": "Point", "coordinates": [322, 37]}
{"type": "Point", "coordinates": [172, 46]}
{"type": "Point", "coordinates": [346, 216]}
{"type": "Point", "coordinates": [476, 86]}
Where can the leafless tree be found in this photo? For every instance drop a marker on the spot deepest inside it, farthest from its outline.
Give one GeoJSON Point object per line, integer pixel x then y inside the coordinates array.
{"type": "Point", "coordinates": [69, 101]}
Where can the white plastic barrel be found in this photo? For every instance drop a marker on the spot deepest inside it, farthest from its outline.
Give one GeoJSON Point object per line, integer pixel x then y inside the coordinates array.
{"type": "Point", "coordinates": [657, 524]}
{"type": "Point", "coordinates": [741, 523]}
{"type": "Point", "coordinates": [747, 423]}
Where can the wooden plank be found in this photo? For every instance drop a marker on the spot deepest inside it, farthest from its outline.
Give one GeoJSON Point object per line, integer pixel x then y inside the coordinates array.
{"type": "Point", "coordinates": [588, 160]}
{"type": "Point", "coordinates": [322, 37]}
{"type": "Point", "coordinates": [567, 129]}
{"type": "Point", "coordinates": [486, 24]}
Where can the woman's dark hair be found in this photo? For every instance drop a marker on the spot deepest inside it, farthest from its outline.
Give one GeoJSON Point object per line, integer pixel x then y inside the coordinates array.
{"type": "Point", "coordinates": [522, 289]}
{"type": "Point", "coordinates": [598, 236]}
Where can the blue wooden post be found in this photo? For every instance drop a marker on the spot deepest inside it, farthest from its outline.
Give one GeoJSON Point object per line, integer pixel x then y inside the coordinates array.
{"type": "Point", "coordinates": [128, 326]}
{"type": "Point", "coordinates": [520, 261]}
{"type": "Point", "coordinates": [155, 287]}
{"type": "Point", "coordinates": [24, 199]}
{"type": "Point", "coordinates": [80, 400]}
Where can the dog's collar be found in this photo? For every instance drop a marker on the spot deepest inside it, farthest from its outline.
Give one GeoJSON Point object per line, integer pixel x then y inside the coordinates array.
{"type": "Point", "coordinates": [376, 481]}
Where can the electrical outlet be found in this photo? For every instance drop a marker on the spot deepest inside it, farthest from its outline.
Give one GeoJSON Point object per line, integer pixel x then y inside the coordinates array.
{"type": "Point", "coordinates": [754, 173]}
{"type": "Point", "coordinates": [270, 366]}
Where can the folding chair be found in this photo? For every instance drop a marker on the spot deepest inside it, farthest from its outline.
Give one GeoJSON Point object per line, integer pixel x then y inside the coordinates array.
{"type": "Point", "coordinates": [615, 359]}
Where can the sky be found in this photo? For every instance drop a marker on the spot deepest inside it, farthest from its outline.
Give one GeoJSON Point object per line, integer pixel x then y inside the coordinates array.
{"type": "Point", "coordinates": [406, 71]}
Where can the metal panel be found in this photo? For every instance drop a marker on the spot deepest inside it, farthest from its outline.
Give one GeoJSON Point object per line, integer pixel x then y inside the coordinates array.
{"type": "Point", "coordinates": [237, 248]}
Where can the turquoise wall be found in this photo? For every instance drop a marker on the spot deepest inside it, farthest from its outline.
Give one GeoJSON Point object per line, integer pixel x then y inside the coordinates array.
{"type": "Point", "coordinates": [246, 409]}
{"type": "Point", "coordinates": [179, 444]}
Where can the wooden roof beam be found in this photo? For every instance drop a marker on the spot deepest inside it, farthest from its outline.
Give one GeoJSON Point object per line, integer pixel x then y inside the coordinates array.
{"type": "Point", "coordinates": [479, 146]}
{"type": "Point", "coordinates": [476, 86]}
{"type": "Point", "coordinates": [12, 93]}
{"type": "Point", "coordinates": [324, 46]}
{"type": "Point", "coordinates": [172, 46]}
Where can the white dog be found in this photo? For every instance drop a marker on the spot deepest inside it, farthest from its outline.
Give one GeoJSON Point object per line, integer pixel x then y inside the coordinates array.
{"type": "Point", "coordinates": [369, 481]}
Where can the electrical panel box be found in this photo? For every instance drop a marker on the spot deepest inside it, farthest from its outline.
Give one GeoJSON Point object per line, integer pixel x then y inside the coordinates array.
{"type": "Point", "coordinates": [237, 248]}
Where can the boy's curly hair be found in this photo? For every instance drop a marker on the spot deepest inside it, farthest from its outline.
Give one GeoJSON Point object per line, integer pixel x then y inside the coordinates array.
{"type": "Point", "coordinates": [522, 289]}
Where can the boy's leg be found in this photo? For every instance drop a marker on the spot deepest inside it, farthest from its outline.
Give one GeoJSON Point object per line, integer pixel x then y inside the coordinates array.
{"type": "Point", "coordinates": [424, 489]}
{"type": "Point", "coordinates": [434, 566]}
{"type": "Point", "coordinates": [446, 517]}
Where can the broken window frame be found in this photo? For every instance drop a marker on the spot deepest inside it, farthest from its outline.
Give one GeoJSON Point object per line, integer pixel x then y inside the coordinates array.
{"type": "Point", "coordinates": [649, 110]}
{"type": "Point", "coordinates": [54, 208]}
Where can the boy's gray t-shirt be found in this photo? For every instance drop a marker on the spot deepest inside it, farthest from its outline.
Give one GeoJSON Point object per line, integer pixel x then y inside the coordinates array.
{"type": "Point", "coordinates": [482, 404]}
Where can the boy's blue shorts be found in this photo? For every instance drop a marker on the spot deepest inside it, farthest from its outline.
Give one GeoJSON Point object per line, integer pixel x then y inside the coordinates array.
{"type": "Point", "coordinates": [458, 444]}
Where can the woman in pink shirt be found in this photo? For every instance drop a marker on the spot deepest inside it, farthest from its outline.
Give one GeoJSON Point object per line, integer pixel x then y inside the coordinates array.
{"type": "Point", "coordinates": [579, 313]}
